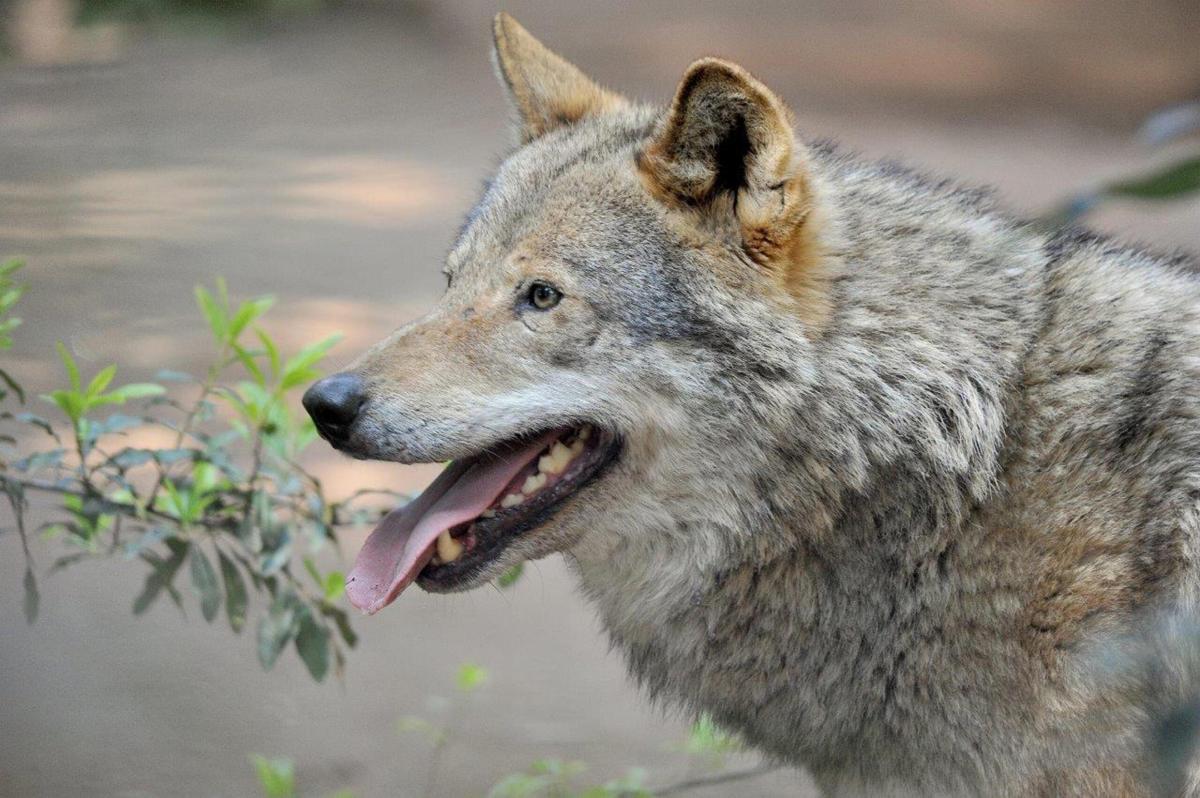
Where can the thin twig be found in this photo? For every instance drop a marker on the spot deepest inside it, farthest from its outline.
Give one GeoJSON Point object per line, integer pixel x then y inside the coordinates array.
{"type": "Point", "coordinates": [719, 778]}
{"type": "Point", "coordinates": [133, 511]}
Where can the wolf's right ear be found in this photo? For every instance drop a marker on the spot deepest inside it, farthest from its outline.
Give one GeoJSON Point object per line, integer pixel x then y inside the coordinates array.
{"type": "Point", "coordinates": [546, 91]}
{"type": "Point", "coordinates": [726, 148]}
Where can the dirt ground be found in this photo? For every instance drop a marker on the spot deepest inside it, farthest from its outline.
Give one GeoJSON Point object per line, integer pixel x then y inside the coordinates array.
{"type": "Point", "coordinates": [328, 161]}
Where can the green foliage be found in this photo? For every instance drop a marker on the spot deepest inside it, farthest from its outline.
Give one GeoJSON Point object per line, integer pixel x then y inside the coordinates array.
{"type": "Point", "coordinates": [510, 577]}
{"type": "Point", "coordinates": [10, 293]}
{"type": "Point", "coordinates": [708, 740]}
{"type": "Point", "coordinates": [557, 778]}
{"type": "Point", "coordinates": [1175, 180]}
{"type": "Point", "coordinates": [276, 777]}
{"type": "Point", "coordinates": [1178, 179]}
{"type": "Point", "coordinates": [470, 677]}
{"type": "Point", "coordinates": [226, 498]}
{"type": "Point", "coordinates": [553, 778]}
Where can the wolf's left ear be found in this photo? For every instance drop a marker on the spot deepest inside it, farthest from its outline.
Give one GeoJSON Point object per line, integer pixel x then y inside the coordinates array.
{"type": "Point", "coordinates": [546, 91]}
{"type": "Point", "coordinates": [727, 148]}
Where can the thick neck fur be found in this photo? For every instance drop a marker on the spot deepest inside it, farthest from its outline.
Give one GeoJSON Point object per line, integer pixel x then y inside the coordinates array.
{"type": "Point", "coordinates": [794, 582]}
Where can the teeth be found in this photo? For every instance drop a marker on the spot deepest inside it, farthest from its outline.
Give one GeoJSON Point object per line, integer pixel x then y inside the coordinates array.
{"type": "Point", "coordinates": [547, 464]}
{"type": "Point", "coordinates": [488, 514]}
{"type": "Point", "coordinates": [448, 549]}
{"type": "Point", "coordinates": [533, 484]}
{"type": "Point", "coordinates": [556, 461]}
{"type": "Point", "coordinates": [553, 463]}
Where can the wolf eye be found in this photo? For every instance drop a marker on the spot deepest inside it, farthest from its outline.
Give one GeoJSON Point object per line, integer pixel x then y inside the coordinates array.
{"type": "Point", "coordinates": [544, 296]}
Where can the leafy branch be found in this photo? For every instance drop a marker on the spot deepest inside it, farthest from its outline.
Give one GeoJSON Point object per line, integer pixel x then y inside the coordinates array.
{"type": "Point", "coordinates": [1176, 179]}
{"type": "Point", "coordinates": [227, 498]}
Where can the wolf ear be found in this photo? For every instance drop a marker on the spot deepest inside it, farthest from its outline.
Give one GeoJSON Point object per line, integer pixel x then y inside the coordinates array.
{"type": "Point", "coordinates": [727, 148]}
{"type": "Point", "coordinates": [546, 91]}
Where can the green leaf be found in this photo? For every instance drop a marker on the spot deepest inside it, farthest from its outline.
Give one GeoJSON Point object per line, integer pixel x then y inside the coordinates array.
{"type": "Point", "coordinates": [32, 598]}
{"type": "Point", "coordinates": [276, 777]}
{"type": "Point", "coordinates": [1174, 181]}
{"type": "Point", "coordinates": [134, 390]}
{"type": "Point", "coordinates": [521, 785]}
{"type": "Point", "coordinates": [168, 375]}
{"type": "Point", "coordinates": [510, 577]}
{"type": "Point", "coordinates": [248, 312]}
{"type": "Point", "coordinates": [334, 585]}
{"type": "Point", "coordinates": [277, 557]}
{"type": "Point", "coordinates": [161, 577]}
{"type": "Point", "coordinates": [706, 738]}
{"type": "Point", "coordinates": [117, 422]}
{"type": "Point", "coordinates": [276, 630]}
{"type": "Point", "coordinates": [408, 724]}
{"type": "Point", "coordinates": [69, 363]}
{"type": "Point", "coordinates": [70, 402]}
{"type": "Point", "coordinates": [169, 456]}
{"type": "Point", "coordinates": [247, 361]}
{"type": "Point", "coordinates": [10, 266]}
{"type": "Point", "coordinates": [235, 592]}
{"type": "Point", "coordinates": [213, 313]}
{"type": "Point", "coordinates": [10, 297]}
{"type": "Point", "coordinates": [310, 565]}
{"type": "Point", "coordinates": [39, 461]}
{"type": "Point", "coordinates": [298, 368]}
{"type": "Point", "coordinates": [204, 580]}
{"type": "Point", "coordinates": [470, 677]}
{"type": "Point", "coordinates": [100, 381]}
{"type": "Point", "coordinates": [13, 385]}
{"type": "Point", "coordinates": [312, 644]}
{"type": "Point", "coordinates": [342, 621]}
{"type": "Point", "coordinates": [147, 539]}
{"type": "Point", "coordinates": [131, 458]}
{"type": "Point", "coordinates": [271, 349]}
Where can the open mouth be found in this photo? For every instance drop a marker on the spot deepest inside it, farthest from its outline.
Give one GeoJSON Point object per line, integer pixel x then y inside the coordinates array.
{"type": "Point", "coordinates": [473, 511]}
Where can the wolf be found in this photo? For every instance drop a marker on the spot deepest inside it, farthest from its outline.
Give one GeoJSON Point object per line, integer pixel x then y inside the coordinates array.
{"type": "Point", "coordinates": [900, 487]}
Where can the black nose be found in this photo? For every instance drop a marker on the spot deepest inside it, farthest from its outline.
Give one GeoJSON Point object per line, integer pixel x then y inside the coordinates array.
{"type": "Point", "coordinates": [334, 403]}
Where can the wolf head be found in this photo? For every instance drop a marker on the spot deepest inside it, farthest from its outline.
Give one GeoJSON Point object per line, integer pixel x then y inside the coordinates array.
{"type": "Point", "coordinates": [631, 279]}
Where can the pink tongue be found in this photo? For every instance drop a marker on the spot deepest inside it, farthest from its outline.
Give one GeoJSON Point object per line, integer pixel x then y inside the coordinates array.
{"type": "Point", "coordinates": [403, 542]}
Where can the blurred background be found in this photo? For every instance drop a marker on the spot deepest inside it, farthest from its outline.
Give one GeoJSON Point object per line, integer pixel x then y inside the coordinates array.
{"type": "Point", "coordinates": [324, 152]}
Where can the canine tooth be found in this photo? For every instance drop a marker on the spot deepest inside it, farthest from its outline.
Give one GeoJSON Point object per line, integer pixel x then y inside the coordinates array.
{"type": "Point", "coordinates": [547, 464]}
{"type": "Point", "coordinates": [533, 483]}
{"type": "Point", "coordinates": [511, 500]}
{"type": "Point", "coordinates": [576, 447]}
{"type": "Point", "coordinates": [448, 548]}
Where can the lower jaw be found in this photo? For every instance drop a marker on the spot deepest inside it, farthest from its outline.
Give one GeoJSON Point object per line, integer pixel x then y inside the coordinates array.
{"type": "Point", "coordinates": [476, 565]}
